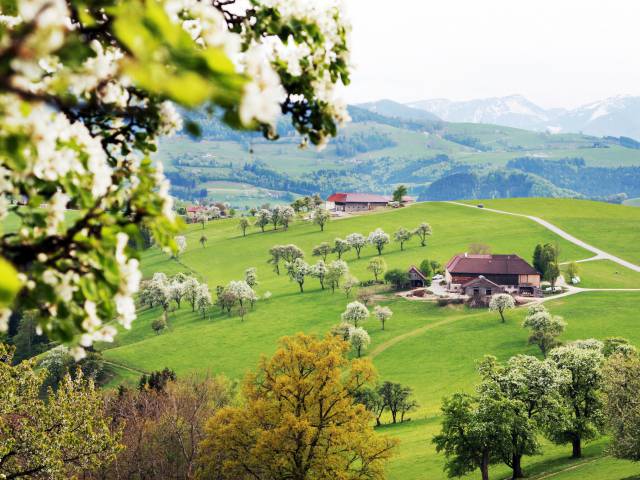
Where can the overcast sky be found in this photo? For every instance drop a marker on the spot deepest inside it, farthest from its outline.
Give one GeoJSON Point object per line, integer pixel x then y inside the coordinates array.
{"type": "Point", "coordinates": [558, 53]}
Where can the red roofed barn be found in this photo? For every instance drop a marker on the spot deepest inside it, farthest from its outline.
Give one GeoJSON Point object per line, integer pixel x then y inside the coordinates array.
{"type": "Point", "coordinates": [486, 275]}
{"type": "Point", "coordinates": [358, 202]}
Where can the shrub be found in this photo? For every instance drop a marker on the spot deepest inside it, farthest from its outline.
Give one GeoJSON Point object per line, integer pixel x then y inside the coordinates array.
{"type": "Point", "coordinates": [398, 278]}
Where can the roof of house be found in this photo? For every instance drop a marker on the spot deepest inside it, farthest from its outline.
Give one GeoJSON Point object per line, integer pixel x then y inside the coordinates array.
{"type": "Point", "coordinates": [481, 281]}
{"type": "Point", "coordinates": [490, 264]}
{"type": "Point", "coordinates": [195, 208]}
{"type": "Point", "coordinates": [363, 198]}
{"type": "Point", "coordinates": [417, 271]}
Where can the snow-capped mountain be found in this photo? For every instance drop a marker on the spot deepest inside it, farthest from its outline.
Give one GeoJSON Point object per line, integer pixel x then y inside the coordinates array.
{"type": "Point", "coordinates": [616, 116]}
{"type": "Point", "coordinates": [514, 110]}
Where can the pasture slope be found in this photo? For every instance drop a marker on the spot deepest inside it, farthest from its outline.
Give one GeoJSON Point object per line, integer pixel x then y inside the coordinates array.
{"type": "Point", "coordinates": [432, 349]}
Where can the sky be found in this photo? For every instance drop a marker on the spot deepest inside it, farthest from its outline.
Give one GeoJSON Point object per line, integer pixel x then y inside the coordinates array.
{"type": "Point", "coordinates": [557, 53]}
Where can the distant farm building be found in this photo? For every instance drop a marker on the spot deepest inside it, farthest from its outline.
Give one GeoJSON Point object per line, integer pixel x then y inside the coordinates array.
{"type": "Point", "coordinates": [486, 275]}
{"type": "Point", "coordinates": [359, 202]}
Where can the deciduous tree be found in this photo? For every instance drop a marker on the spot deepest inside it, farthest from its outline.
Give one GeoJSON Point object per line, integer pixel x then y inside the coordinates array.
{"type": "Point", "coordinates": [582, 416]}
{"type": "Point", "coordinates": [378, 239]}
{"type": "Point", "coordinates": [545, 328]}
{"type": "Point", "coordinates": [340, 246]}
{"type": "Point", "coordinates": [298, 270]}
{"type": "Point", "coordinates": [378, 267]}
{"type": "Point", "coordinates": [58, 437]}
{"type": "Point", "coordinates": [320, 217]}
{"type": "Point", "coordinates": [399, 193]}
{"type": "Point", "coordinates": [423, 231]}
{"type": "Point", "coordinates": [357, 242]}
{"type": "Point", "coordinates": [298, 420]}
{"type": "Point", "coordinates": [355, 313]}
{"type": "Point", "coordinates": [401, 236]}
{"type": "Point", "coordinates": [500, 303]}
{"type": "Point", "coordinates": [243, 224]}
{"type": "Point", "coordinates": [322, 250]}
{"type": "Point", "coordinates": [336, 271]}
{"type": "Point", "coordinates": [382, 314]}
{"type": "Point", "coordinates": [359, 339]}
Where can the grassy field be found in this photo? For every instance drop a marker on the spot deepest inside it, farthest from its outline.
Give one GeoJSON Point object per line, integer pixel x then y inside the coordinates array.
{"type": "Point", "coordinates": [604, 274]}
{"type": "Point", "coordinates": [432, 349]}
{"type": "Point", "coordinates": [612, 228]}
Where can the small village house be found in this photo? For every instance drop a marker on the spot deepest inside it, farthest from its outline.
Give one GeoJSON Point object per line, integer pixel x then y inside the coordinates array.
{"type": "Point", "coordinates": [359, 202]}
{"type": "Point", "coordinates": [486, 275]}
{"type": "Point", "coordinates": [417, 278]}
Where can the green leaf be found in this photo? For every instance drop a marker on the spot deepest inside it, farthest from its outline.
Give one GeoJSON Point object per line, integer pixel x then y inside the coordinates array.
{"type": "Point", "coordinates": [9, 283]}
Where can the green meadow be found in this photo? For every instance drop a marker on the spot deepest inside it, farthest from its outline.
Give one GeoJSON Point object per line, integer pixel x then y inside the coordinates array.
{"type": "Point", "coordinates": [432, 349]}
{"type": "Point", "coordinates": [612, 228]}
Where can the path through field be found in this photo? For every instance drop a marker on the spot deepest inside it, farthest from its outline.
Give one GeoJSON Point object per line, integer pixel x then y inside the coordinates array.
{"type": "Point", "coordinates": [600, 254]}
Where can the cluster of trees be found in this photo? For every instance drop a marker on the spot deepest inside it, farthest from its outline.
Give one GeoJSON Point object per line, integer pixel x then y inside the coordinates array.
{"type": "Point", "coordinates": [167, 292]}
{"type": "Point", "coordinates": [307, 203]}
{"type": "Point", "coordinates": [239, 293]}
{"type": "Point", "coordinates": [545, 260]}
{"type": "Point", "coordinates": [279, 215]}
{"type": "Point", "coordinates": [351, 330]}
{"type": "Point", "coordinates": [570, 397]}
{"type": "Point", "coordinates": [394, 397]}
{"type": "Point", "coordinates": [360, 142]}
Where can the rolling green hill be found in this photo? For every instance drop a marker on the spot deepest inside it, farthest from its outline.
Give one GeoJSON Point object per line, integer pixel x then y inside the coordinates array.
{"type": "Point", "coordinates": [430, 348]}
{"type": "Point", "coordinates": [438, 160]}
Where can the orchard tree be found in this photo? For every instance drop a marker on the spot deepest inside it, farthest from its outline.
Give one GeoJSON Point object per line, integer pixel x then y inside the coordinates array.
{"type": "Point", "coordinates": [500, 303]}
{"type": "Point", "coordinates": [203, 240]}
{"type": "Point", "coordinates": [298, 270]}
{"type": "Point", "coordinates": [202, 217]}
{"type": "Point", "coordinates": [181, 243]}
{"type": "Point", "coordinates": [176, 291]}
{"type": "Point", "coordinates": [621, 386]}
{"type": "Point", "coordinates": [251, 277]}
{"type": "Point", "coordinates": [582, 417]}
{"type": "Point", "coordinates": [349, 283]}
{"type": "Point", "coordinates": [60, 436]}
{"type": "Point", "coordinates": [320, 216]}
{"type": "Point", "coordinates": [399, 193]}
{"type": "Point", "coordinates": [382, 314]}
{"type": "Point", "coordinates": [340, 246]}
{"type": "Point", "coordinates": [357, 242]}
{"type": "Point", "coordinates": [286, 253]}
{"type": "Point", "coordinates": [203, 301]}
{"type": "Point", "coordinates": [529, 390]}
{"type": "Point", "coordinates": [276, 216]}
{"type": "Point", "coordinates": [191, 286]}
{"type": "Point", "coordinates": [378, 239]}
{"type": "Point", "coordinates": [319, 271]}
{"type": "Point", "coordinates": [474, 434]}
{"type": "Point", "coordinates": [423, 231]}
{"type": "Point", "coordinates": [322, 250]}
{"type": "Point", "coordinates": [241, 292]}
{"type": "Point", "coordinates": [263, 218]}
{"type": "Point", "coordinates": [398, 400]}
{"type": "Point", "coordinates": [401, 236]}
{"type": "Point", "coordinates": [243, 224]}
{"type": "Point", "coordinates": [573, 271]}
{"type": "Point", "coordinates": [286, 214]}
{"type": "Point", "coordinates": [336, 271]}
{"type": "Point", "coordinates": [359, 339]}
{"type": "Point", "coordinates": [355, 313]}
{"type": "Point", "coordinates": [378, 267]}
{"type": "Point", "coordinates": [159, 324]}
{"type": "Point", "coordinates": [299, 419]}
{"type": "Point", "coordinates": [544, 327]}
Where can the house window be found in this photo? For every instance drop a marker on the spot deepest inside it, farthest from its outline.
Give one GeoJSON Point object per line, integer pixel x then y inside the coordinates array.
{"type": "Point", "coordinates": [476, 290]}
{"type": "Point", "coordinates": [488, 292]}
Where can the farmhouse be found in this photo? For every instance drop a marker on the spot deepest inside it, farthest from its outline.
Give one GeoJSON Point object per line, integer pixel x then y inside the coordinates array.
{"type": "Point", "coordinates": [358, 202]}
{"type": "Point", "coordinates": [486, 275]}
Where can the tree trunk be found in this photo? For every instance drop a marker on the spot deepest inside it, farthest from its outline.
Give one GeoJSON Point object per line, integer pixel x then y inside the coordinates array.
{"type": "Point", "coordinates": [501, 315]}
{"type": "Point", "coordinates": [301, 288]}
{"type": "Point", "coordinates": [577, 448]}
{"type": "Point", "coordinates": [383, 325]}
{"type": "Point", "coordinates": [517, 466]}
{"type": "Point", "coordinates": [484, 465]}
{"type": "Point", "coordinates": [322, 227]}
{"type": "Point", "coordinates": [393, 415]}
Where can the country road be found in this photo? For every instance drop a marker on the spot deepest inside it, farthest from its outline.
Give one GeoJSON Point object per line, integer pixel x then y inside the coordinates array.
{"type": "Point", "coordinates": [600, 254]}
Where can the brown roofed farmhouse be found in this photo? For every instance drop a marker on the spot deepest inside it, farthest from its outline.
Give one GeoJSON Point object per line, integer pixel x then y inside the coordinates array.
{"type": "Point", "coordinates": [489, 274]}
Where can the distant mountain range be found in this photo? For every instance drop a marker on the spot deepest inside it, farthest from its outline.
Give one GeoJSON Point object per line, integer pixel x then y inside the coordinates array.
{"type": "Point", "coordinates": [614, 116]}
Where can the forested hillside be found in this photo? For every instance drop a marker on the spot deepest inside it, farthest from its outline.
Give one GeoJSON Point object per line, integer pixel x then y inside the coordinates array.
{"type": "Point", "coordinates": [437, 160]}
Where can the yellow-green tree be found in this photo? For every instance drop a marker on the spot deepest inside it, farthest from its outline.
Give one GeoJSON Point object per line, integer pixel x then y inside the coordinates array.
{"type": "Point", "coordinates": [59, 437]}
{"type": "Point", "coordinates": [299, 419]}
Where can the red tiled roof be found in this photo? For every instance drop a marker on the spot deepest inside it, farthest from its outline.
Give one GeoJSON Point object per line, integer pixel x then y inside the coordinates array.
{"type": "Point", "coordinates": [364, 198]}
{"type": "Point", "coordinates": [195, 208]}
{"type": "Point", "coordinates": [490, 264]}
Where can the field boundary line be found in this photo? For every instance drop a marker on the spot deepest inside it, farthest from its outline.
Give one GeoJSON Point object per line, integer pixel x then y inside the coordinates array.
{"type": "Point", "coordinates": [601, 254]}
